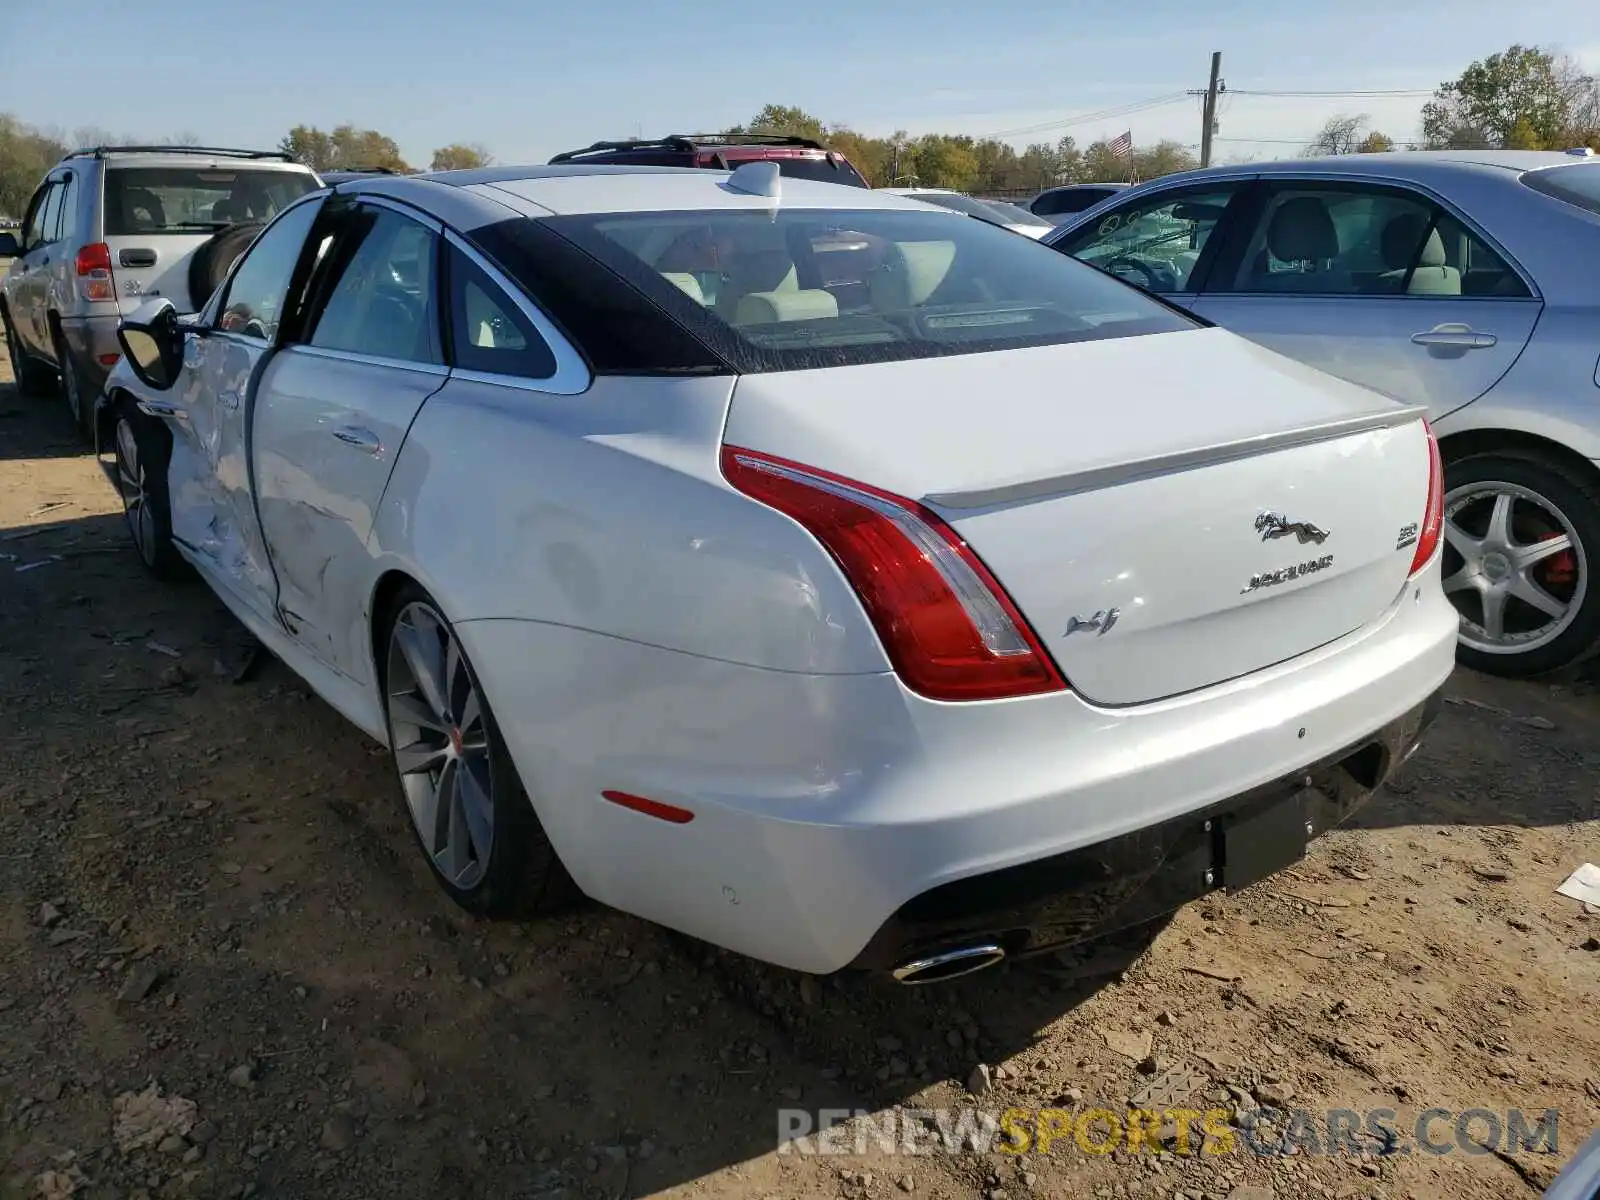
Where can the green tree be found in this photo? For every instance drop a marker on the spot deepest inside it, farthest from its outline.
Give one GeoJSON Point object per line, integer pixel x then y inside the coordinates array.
{"type": "Point", "coordinates": [26, 153]}
{"type": "Point", "coordinates": [943, 161]}
{"type": "Point", "coordinates": [1166, 157]}
{"type": "Point", "coordinates": [346, 148]}
{"type": "Point", "coordinates": [461, 156]}
{"type": "Point", "coordinates": [1522, 95]}
{"type": "Point", "coordinates": [1375, 143]}
{"type": "Point", "coordinates": [784, 119]}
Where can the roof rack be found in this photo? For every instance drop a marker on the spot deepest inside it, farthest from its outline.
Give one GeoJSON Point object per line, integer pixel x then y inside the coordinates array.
{"type": "Point", "coordinates": [206, 151]}
{"type": "Point", "coordinates": [688, 142]}
{"type": "Point", "coordinates": [752, 139]}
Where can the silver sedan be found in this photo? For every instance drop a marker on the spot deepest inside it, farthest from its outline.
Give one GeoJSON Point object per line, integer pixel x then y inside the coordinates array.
{"type": "Point", "coordinates": [1464, 281]}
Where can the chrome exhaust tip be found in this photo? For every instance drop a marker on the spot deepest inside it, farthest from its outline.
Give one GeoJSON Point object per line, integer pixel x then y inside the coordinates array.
{"type": "Point", "coordinates": [952, 964]}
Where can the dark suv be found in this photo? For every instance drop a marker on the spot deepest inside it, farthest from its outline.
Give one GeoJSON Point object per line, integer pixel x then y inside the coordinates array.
{"type": "Point", "coordinates": [799, 157]}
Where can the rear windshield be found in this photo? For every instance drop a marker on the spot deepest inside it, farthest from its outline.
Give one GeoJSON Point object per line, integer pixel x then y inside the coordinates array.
{"type": "Point", "coordinates": [1578, 184]}
{"type": "Point", "coordinates": [836, 171]}
{"type": "Point", "coordinates": [806, 288]}
{"type": "Point", "coordinates": [196, 199]}
{"type": "Point", "coordinates": [984, 210]}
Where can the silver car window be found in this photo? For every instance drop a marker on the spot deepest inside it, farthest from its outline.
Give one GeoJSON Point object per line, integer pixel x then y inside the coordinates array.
{"type": "Point", "coordinates": [385, 302]}
{"type": "Point", "coordinates": [260, 284]}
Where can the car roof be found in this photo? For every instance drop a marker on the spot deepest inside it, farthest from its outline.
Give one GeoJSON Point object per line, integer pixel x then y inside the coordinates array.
{"type": "Point", "coordinates": [1415, 165]}
{"type": "Point", "coordinates": [616, 188]}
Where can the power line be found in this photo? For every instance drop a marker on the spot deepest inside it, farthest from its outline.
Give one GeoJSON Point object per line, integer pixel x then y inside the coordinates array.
{"type": "Point", "coordinates": [1335, 94]}
{"type": "Point", "coordinates": [1104, 114]}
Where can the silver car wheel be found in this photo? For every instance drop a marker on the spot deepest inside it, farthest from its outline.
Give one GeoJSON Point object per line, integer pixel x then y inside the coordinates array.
{"type": "Point", "coordinates": [441, 745]}
{"type": "Point", "coordinates": [1514, 567]}
{"type": "Point", "coordinates": [135, 499]}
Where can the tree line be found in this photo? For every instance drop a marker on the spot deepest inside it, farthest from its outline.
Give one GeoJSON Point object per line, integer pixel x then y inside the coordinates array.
{"type": "Point", "coordinates": [1524, 97]}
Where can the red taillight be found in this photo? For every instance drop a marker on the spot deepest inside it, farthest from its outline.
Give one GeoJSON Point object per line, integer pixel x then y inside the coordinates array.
{"type": "Point", "coordinates": [949, 628]}
{"type": "Point", "coordinates": [1433, 515]}
{"type": "Point", "coordinates": [94, 272]}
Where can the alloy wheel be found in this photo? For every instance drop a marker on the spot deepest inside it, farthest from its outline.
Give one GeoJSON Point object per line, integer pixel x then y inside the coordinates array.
{"type": "Point", "coordinates": [135, 497]}
{"type": "Point", "coordinates": [441, 745]}
{"type": "Point", "coordinates": [1514, 567]}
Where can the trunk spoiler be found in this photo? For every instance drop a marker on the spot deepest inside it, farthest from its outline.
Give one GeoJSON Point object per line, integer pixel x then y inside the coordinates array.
{"type": "Point", "coordinates": [1093, 478]}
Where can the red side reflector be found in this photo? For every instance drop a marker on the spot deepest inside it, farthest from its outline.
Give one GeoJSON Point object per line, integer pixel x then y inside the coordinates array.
{"type": "Point", "coordinates": [109, 360]}
{"type": "Point", "coordinates": [651, 808]}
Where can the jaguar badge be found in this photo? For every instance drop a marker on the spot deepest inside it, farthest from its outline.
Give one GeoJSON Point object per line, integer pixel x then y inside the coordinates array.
{"type": "Point", "coordinates": [1271, 525]}
{"type": "Point", "coordinates": [1101, 622]}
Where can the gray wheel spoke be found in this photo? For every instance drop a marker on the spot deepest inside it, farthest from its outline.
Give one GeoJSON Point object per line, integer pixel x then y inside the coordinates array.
{"type": "Point", "coordinates": [477, 809]}
{"type": "Point", "coordinates": [471, 725]}
{"type": "Point", "coordinates": [1526, 556]}
{"type": "Point", "coordinates": [1494, 612]}
{"type": "Point", "coordinates": [1499, 531]}
{"type": "Point", "coordinates": [412, 710]}
{"type": "Point", "coordinates": [421, 660]}
{"type": "Point", "coordinates": [423, 799]}
{"type": "Point", "coordinates": [1463, 580]}
{"type": "Point", "coordinates": [1529, 592]}
{"type": "Point", "coordinates": [457, 856]}
{"type": "Point", "coordinates": [419, 757]}
{"type": "Point", "coordinates": [444, 801]}
{"type": "Point", "coordinates": [1462, 542]}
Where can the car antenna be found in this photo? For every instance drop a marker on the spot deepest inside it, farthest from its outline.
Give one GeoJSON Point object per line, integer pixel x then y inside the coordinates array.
{"type": "Point", "coordinates": [759, 178]}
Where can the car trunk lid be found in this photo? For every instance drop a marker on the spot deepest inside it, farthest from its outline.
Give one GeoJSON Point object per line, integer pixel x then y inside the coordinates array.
{"type": "Point", "coordinates": [1167, 511]}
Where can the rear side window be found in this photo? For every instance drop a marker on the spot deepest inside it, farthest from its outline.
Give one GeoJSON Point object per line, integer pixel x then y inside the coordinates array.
{"type": "Point", "coordinates": [146, 200]}
{"type": "Point", "coordinates": [804, 288]}
{"type": "Point", "coordinates": [1577, 184]}
{"type": "Point", "coordinates": [488, 331]}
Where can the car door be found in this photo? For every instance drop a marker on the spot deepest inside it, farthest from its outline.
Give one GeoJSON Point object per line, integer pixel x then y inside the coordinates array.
{"type": "Point", "coordinates": [208, 410]}
{"type": "Point", "coordinates": [331, 411]}
{"type": "Point", "coordinates": [1376, 283]}
{"type": "Point", "coordinates": [31, 271]}
{"type": "Point", "coordinates": [1162, 241]}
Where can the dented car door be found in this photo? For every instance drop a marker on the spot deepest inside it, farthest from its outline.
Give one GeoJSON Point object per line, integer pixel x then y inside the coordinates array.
{"type": "Point", "coordinates": [332, 408]}
{"type": "Point", "coordinates": [224, 353]}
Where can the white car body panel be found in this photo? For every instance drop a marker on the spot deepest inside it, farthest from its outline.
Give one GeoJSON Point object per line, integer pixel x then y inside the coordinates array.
{"type": "Point", "coordinates": [640, 625]}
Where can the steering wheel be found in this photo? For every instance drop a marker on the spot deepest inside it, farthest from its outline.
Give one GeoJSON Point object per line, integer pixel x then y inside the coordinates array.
{"type": "Point", "coordinates": [1124, 264]}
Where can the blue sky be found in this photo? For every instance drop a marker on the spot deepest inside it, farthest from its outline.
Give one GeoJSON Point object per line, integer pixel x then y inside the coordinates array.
{"type": "Point", "coordinates": [529, 79]}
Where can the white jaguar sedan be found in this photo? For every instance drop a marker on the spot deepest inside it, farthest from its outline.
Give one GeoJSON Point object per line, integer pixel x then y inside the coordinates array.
{"type": "Point", "coordinates": [839, 580]}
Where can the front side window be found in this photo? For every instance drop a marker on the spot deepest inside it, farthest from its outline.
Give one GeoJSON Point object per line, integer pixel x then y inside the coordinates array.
{"type": "Point", "coordinates": [384, 300]}
{"type": "Point", "coordinates": [1154, 243]}
{"type": "Point", "coordinates": [259, 287]}
{"type": "Point", "coordinates": [156, 200]}
{"type": "Point", "coordinates": [1358, 240]}
{"type": "Point", "coordinates": [799, 288]}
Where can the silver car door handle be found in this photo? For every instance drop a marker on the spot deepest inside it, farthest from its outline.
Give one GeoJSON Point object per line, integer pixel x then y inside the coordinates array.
{"type": "Point", "coordinates": [161, 408]}
{"type": "Point", "coordinates": [359, 436]}
{"type": "Point", "coordinates": [1457, 336]}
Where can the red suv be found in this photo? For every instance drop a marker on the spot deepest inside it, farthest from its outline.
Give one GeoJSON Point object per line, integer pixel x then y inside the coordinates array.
{"type": "Point", "coordinates": [796, 156]}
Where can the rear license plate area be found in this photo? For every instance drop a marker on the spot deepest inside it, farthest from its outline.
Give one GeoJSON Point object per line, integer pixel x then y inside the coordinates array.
{"type": "Point", "coordinates": [1263, 842]}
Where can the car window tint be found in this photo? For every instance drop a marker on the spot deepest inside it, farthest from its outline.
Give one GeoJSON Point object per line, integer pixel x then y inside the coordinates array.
{"type": "Point", "coordinates": [1483, 272]}
{"type": "Point", "coordinates": [384, 302]}
{"type": "Point", "coordinates": [1154, 243]}
{"type": "Point", "coordinates": [50, 216]}
{"type": "Point", "coordinates": [260, 284]}
{"type": "Point", "coordinates": [488, 331]}
{"type": "Point", "coordinates": [1351, 241]}
{"type": "Point", "coordinates": [67, 217]}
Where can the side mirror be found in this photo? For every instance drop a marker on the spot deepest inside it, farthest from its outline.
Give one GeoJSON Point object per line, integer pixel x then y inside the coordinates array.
{"type": "Point", "coordinates": [9, 246]}
{"type": "Point", "coordinates": [152, 342]}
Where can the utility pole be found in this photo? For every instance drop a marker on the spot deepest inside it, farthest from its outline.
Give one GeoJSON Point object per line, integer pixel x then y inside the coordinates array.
{"type": "Point", "coordinates": [1209, 109]}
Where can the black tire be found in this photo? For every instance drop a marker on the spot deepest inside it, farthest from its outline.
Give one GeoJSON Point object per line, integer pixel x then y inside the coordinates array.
{"type": "Point", "coordinates": [80, 399]}
{"type": "Point", "coordinates": [33, 377]}
{"type": "Point", "coordinates": [214, 259]}
{"type": "Point", "coordinates": [521, 875]}
{"type": "Point", "coordinates": [142, 485]}
{"type": "Point", "coordinates": [1575, 495]}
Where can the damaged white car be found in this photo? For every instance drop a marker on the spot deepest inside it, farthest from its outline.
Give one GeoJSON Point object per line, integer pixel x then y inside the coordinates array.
{"type": "Point", "coordinates": [827, 576]}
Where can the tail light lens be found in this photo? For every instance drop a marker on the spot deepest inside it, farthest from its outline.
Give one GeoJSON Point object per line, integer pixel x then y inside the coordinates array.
{"type": "Point", "coordinates": [948, 627]}
{"type": "Point", "coordinates": [1433, 515]}
{"type": "Point", "coordinates": [94, 272]}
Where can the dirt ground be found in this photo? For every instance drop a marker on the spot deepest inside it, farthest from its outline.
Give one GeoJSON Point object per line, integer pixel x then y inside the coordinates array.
{"type": "Point", "coordinates": [206, 886]}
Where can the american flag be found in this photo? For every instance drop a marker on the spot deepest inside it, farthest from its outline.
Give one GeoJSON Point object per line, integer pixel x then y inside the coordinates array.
{"type": "Point", "coordinates": [1122, 145]}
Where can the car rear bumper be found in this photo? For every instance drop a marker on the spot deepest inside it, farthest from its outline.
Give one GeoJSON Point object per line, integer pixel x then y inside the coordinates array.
{"type": "Point", "coordinates": [91, 341]}
{"type": "Point", "coordinates": [840, 820]}
{"type": "Point", "coordinates": [1129, 880]}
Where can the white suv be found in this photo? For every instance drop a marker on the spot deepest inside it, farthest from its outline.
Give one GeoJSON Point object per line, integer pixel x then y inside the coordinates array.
{"type": "Point", "coordinates": [109, 227]}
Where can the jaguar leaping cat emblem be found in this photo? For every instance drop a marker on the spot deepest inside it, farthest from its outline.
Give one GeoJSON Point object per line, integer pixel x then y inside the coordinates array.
{"type": "Point", "coordinates": [1101, 622]}
{"type": "Point", "coordinates": [1271, 525]}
